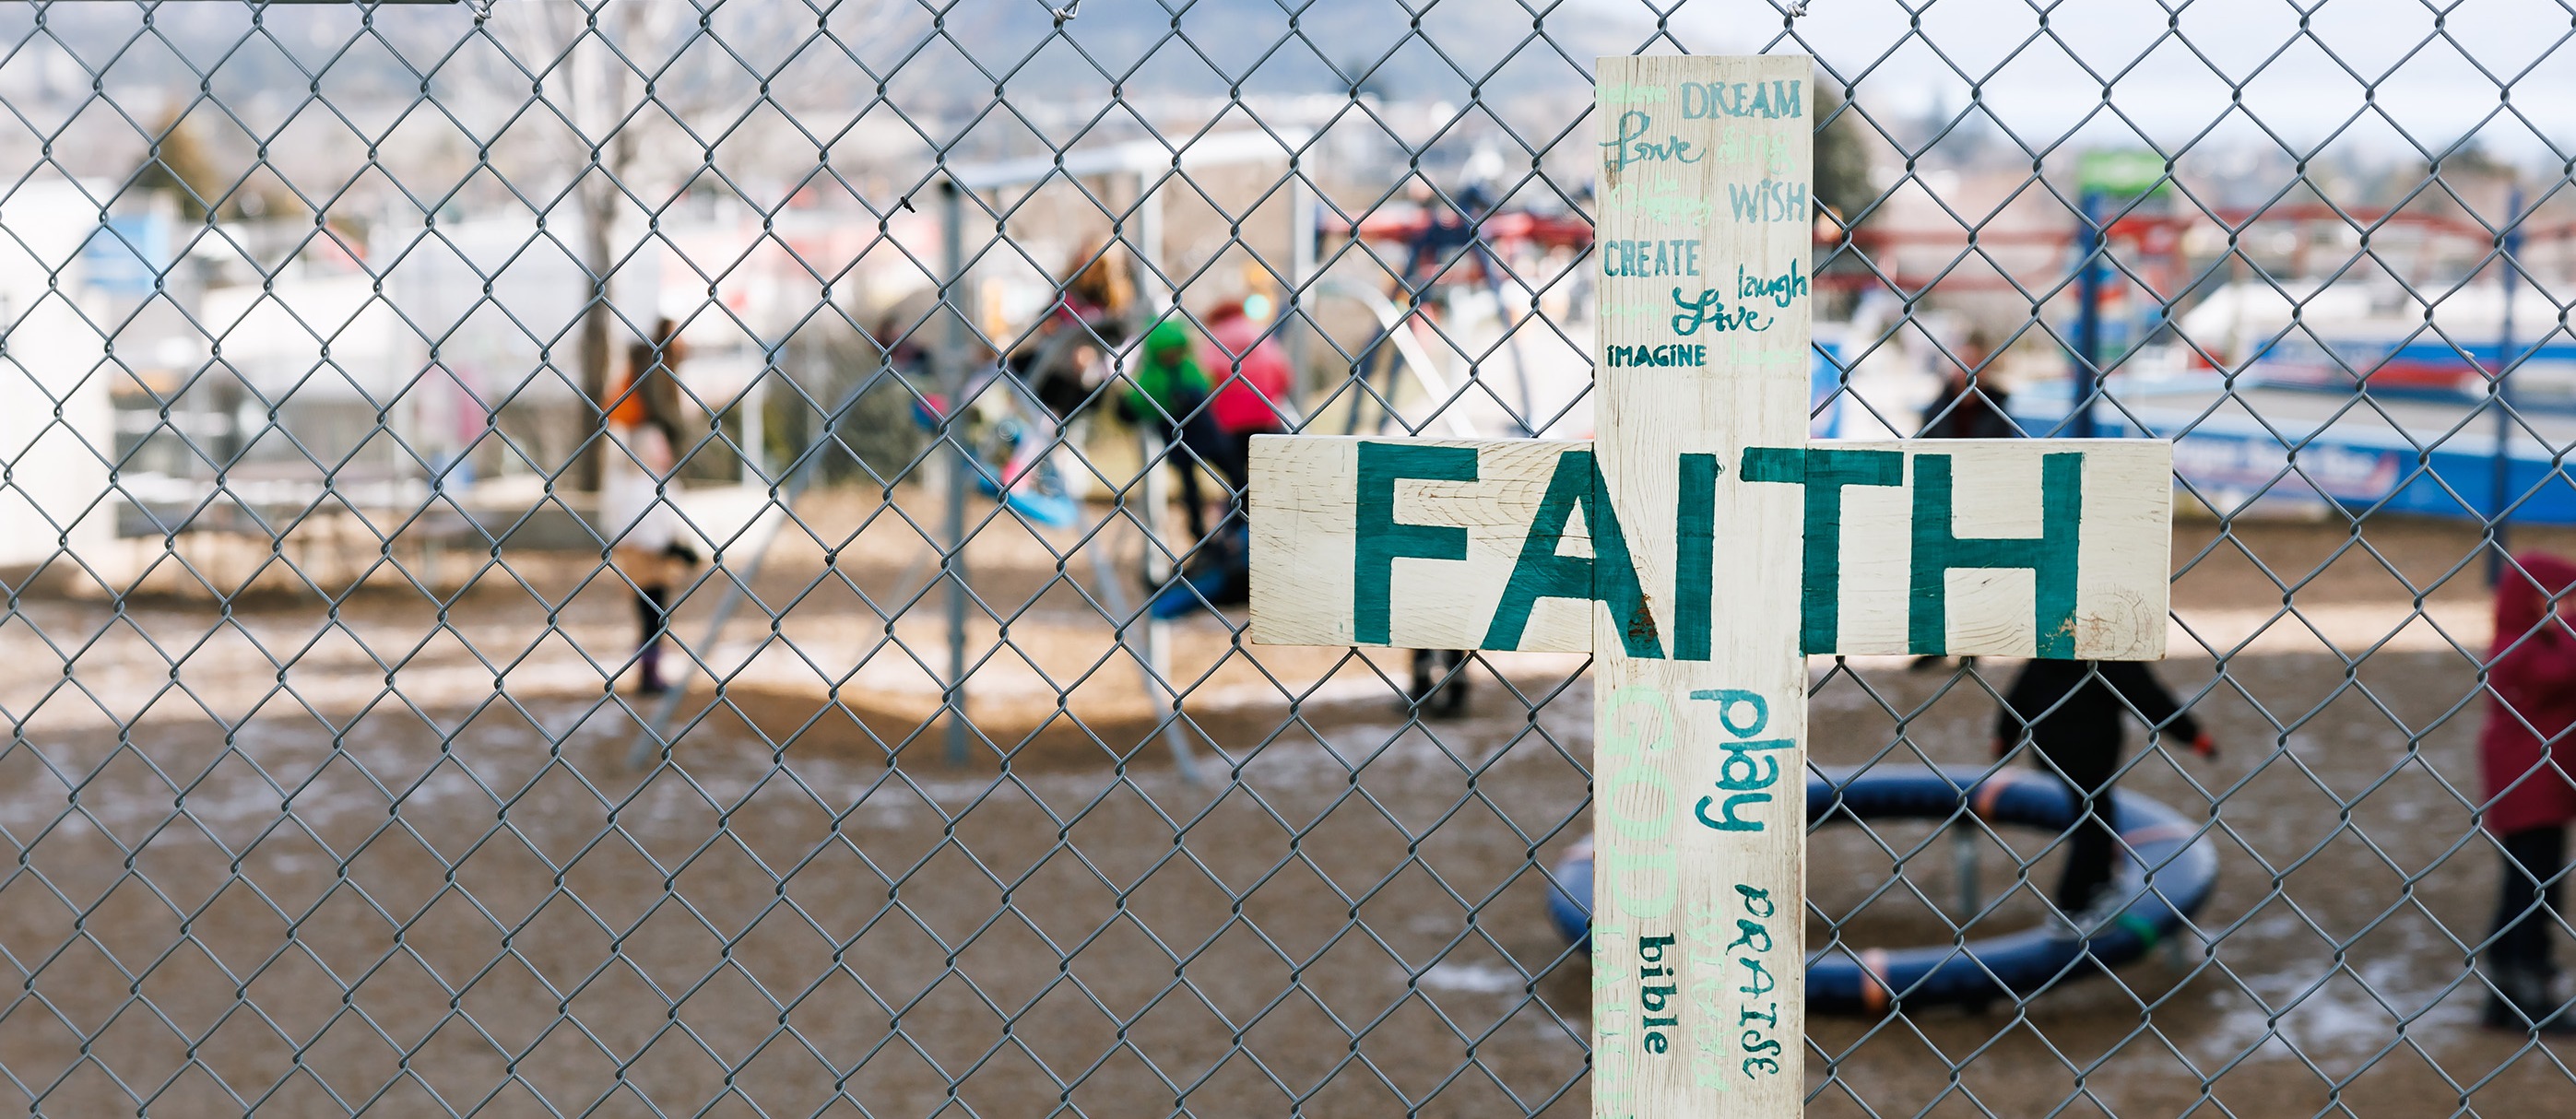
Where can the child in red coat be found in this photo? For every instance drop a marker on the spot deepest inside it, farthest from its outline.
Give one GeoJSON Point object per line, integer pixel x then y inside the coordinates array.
{"type": "Point", "coordinates": [2531, 681]}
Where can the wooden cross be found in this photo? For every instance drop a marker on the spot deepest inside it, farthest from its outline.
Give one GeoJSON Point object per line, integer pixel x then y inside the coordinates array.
{"type": "Point", "coordinates": [1698, 546]}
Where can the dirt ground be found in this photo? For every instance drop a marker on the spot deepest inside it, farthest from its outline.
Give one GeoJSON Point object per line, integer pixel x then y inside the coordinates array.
{"type": "Point", "coordinates": [387, 855]}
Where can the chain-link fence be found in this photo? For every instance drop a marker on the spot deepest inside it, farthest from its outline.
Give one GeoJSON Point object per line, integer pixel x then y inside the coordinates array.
{"type": "Point", "coordinates": [654, 557]}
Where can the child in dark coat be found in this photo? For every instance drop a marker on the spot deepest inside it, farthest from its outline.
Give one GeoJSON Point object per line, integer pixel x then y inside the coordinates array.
{"type": "Point", "coordinates": [2070, 711]}
{"type": "Point", "coordinates": [2531, 678]}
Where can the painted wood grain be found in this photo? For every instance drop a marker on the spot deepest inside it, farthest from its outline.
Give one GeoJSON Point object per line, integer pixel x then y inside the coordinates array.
{"type": "Point", "coordinates": [1698, 956]}
{"type": "Point", "coordinates": [1857, 591]}
{"type": "Point", "coordinates": [1867, 591]}
{"type": "Point", "coordinates": [1306, 563]}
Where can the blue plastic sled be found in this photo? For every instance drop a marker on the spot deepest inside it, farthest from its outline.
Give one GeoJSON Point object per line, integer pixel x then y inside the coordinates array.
{"type": "Point", "coordinates": [2167, 876]}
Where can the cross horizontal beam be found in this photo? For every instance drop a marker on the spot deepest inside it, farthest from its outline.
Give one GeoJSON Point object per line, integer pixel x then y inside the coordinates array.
{"type": "Point", "coordinates": [2012, 547]}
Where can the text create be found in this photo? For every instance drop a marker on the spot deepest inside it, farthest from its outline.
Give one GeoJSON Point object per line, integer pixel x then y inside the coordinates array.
{"type": "Point", "coordinates": [1666, 257]}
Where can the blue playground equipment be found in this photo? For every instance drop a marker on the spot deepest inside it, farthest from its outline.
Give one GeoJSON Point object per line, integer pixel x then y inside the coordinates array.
{"type": "Point", "coordinates": [2168, 875]}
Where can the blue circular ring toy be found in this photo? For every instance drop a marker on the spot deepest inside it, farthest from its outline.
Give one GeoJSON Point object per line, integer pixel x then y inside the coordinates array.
{"type": "Point", "coordinates": [2167, 874]}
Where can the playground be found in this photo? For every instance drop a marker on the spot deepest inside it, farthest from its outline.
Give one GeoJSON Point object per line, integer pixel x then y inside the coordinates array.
{"type": "Point", "coordinates": [728, 560]}
{"type": "Point", "coordinates": [1385, 862]}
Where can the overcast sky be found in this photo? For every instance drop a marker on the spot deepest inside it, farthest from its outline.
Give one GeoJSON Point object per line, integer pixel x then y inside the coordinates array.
{"type": "Point", "coordinates": [2434, 83]}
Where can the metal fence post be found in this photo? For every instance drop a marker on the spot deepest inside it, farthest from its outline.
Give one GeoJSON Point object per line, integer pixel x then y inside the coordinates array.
{"type": "Point", "coordinates": [961, 462]}
{"type": "Point", "coordinates": [2089, 241]}
{"type": "Point", "coordinates": [2500, 392]}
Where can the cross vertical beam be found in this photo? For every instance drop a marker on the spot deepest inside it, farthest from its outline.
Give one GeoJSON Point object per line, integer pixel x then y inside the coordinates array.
{"type": "Point", "coordinates": [1703, 229]}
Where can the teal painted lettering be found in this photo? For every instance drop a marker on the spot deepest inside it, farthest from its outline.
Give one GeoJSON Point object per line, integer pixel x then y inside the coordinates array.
{"type": "Point", "coordinates": [1771, 101]}
{"type": "Point", "coordinates": [1728, 700]}
{"type": "Point", "coordinates": [1768, 200]}
{"type": "Point", "coordinates": [1754, 897]}
{"type": "Point", "coordinates": [1747, 767]}
{"type": "Point", "coordinates": [1695, 562]}
{"type": "Point", "coordinates": [1708, 308]}
{"type": "Point", "coordinates": [1662, 874]}
{"type": "Point", "coordinates": [2050, 556]}
{"type": "Point", "coordinates": [1750, 934]}
{"type": "Point", "coordinates": [1758, 980]}
{"type": "Point", "coordinates": [1383, 540]}
{"type": "Point", "coordinates": [1781, 290]}
{"type": "Point", "coordinates": [1654, 820]}
{"type": "Point", "coordinates": [1696, 102]}
{"type": "Point", "coordinates": [1662, 203]}
{"type": "Point", "coordinates": [1742, 777]}
{"type": "Point", "coordinates": [1824, 472]}
{"type": "Point", "coordinates": [1746, 145]}
{"type": "Point", "coordinates": [1608, 577]}
{"type": "Point", "coordinates": [1631, 146]}
{"type": "Point", "coordinates": [1726, 819]}
{"type": "Point", "coordinates": [1623, 357]}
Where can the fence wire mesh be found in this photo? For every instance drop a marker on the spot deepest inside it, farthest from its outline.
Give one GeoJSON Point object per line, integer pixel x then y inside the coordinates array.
{"type": "Point", "coordinates": [377, 378]}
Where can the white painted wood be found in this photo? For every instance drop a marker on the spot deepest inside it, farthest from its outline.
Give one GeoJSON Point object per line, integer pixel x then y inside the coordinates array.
{"type": "Point", "coordinates": [1659, 871]}
{"type": "Point", "coordinates": [2124, 556]}
{"type": "Point", "coordinates": [1305, 528]}
{"type": "Point", "coordinates": [1303, 547]}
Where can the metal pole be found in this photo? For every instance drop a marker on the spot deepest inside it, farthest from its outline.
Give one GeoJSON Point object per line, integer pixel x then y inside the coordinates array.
{"type": "Point", "coordinates": [648, 737]}
{"type": "Point", "coordinates": [1158, 692]}
{"type": "Point", "coordinates": [2499, 396]}
{"type": "Point", "coordinates": [2088, 317]}
{"type": "Point", "coordinates": [1963, 850]}
{"type": "Point", "coordinates": [1293, 323]}
{"type": "Point", "coordinates": [952, 385]}
{"type": "Point", "coordinates": [1159, 569]}
{"type": "Point", "coordinates": [1149, 247]}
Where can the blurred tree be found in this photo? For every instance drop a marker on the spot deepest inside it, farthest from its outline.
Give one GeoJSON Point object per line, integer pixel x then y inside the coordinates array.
{"type": "Point", "coordinates": [1842, 161]}
{"type": "Point", "coordinates": [641, 88]}
{"type": "Point", "coordinates": [179, 163]}
{"type": "Point", "coordinates": [183, 162]}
